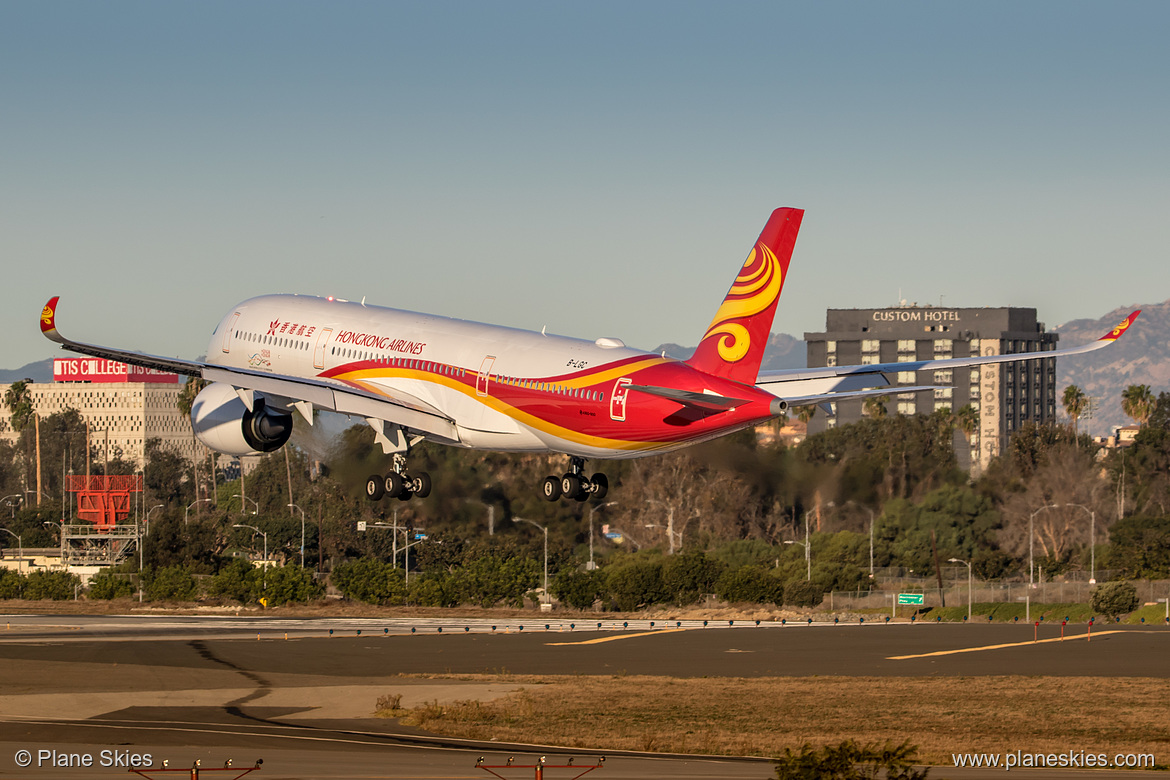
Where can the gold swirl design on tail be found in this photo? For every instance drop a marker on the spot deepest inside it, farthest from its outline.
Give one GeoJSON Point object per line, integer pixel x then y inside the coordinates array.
{"type": "Point", "coordinates": [755, 289]}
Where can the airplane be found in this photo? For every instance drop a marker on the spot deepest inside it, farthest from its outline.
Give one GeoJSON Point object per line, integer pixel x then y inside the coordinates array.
{"type": "Point", "coordinates": [415, 377]}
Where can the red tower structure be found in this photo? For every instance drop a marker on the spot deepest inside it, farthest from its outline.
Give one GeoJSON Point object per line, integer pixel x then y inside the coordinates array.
{"type": "Point", "coordinates": [104, 500]}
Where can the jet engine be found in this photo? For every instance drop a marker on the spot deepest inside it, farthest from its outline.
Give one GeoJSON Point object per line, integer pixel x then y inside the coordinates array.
{"type": "Point", "coordinates": [223, 423]}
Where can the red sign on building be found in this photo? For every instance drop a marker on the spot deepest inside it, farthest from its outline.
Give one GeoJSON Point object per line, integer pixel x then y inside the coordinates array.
{"type": "Point", "coordinates": [101, 370]}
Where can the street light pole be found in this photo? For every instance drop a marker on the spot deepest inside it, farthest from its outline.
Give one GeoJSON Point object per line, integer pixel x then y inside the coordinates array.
{"type": "Point", "coordinates": [670, 532]}
{"type": "Point", "coordinates": [394, 529]}
{"type": "Point", "coordinates": [141, 544]}
{"type": "Point", "coordinates": [669, 523]}
{"type": "Point", "coordinates": [12, 504]}
{"type": "Point", "coordinates": [193, 503]}
{"type": "Point", "coordinates": [807, 550]}
{"type": "Point", "coordinates": [1092, 542]}
{"type": "Point", "coordinates": [294, 506]}
{"type": "Point", "coordinates": [592, 510]}
{"type": "Point", "coordinates": [491, 513]}
{"type": "Point", "coordinates": [969, 584]}
{"type": "Point", "coordinates": [257, 530]}
{"type": "Point", "coordinates": [243, 508]}
{"type": "Point", "coordinates": [20, 548]}
{"type": "Point", "coordinates": [547, 599]}
{"type": "Point", "coordinates": [1031, 537]}
{"type": "Point", "coordinates": [871, 519]}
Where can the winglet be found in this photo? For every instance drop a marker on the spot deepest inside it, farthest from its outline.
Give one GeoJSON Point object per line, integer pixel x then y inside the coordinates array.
{"type": "Point", "coordinates": [49, 320]}
{"type": "Point", "coordinates": [1114, 334]}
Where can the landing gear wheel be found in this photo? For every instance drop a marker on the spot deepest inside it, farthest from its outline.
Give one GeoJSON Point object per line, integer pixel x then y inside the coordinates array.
{"type": "Point", "coordinates": [600, 485]}
{"type": "Point", "coordinates": [395, 485]}
{"type": "Point", "coordinates": [551, 488]}
{"type": "Point", "coordinates": [571, 486]}
{"type": "Point", "coordinates": [374, 488]}
{"type": "Point", "coordinates": [422, 485]}
{"type": "Point", "coordinates": [406, 495]}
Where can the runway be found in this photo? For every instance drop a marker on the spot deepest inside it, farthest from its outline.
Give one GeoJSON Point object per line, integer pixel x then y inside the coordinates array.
{"type": "Point", "coordinates": [369, 649]}
{"type": "Point", "coordinates": [216, 688]}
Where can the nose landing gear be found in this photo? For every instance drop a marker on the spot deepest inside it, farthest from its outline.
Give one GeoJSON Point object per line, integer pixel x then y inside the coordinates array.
{"type": "Point", "coordinates": [574, 484]}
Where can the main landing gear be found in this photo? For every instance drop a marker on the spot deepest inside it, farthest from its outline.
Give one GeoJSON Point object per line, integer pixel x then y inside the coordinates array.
{"type": "Point", "coordinates": [398, 484]}
{"type": "Point", "coordinates": [575, 485]}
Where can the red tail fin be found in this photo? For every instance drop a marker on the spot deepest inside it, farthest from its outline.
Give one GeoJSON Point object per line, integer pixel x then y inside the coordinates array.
{"type": "Point", "coordinates": [733, 346]}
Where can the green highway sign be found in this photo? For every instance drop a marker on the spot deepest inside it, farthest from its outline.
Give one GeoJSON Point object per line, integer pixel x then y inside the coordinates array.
{"type": "Point", "coordinates": [911, 598]}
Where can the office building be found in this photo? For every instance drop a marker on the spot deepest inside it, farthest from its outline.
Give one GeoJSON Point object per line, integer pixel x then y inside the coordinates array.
{"type": "Point", "coordinates": [1005, 396]}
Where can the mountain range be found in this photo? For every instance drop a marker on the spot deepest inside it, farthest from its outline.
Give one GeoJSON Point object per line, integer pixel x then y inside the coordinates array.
{"type": "Point", "coordinates": [40, 371]}
{"type": "Point", "coordinates": [1140, 357]}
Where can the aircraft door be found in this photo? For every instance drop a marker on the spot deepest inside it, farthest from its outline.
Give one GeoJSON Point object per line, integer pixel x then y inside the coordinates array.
{"type": "Point", "coordinates": [485, 372]}
{"type": "Point", "coordinates": [617, 399]}
{"type": "Point", "coordinates": [227, 334]}
{"type": "Point", "coordinates": [319, 351]}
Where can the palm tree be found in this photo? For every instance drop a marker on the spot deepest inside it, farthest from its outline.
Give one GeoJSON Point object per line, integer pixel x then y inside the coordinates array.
{"type": "Point", "coordinates": [805, 413]}
{"type": "Point", "coordinates": [779, 422]}
{"type": "Point", "coordinates": [185, 402]}
{"type": "Point", "coordinates": [1075, 401]}
{"type": "Point", "coordinates": [875, 406]}
{"type": "Point", "coordinates": [19, 401]}
{"type": "Point", "coordinates": [1137, 401]}
{"type": "Point", "coordinates": [967, 421]}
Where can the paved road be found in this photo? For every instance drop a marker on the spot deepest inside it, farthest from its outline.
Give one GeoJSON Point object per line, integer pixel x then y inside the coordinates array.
{"type": "Point", "coordinates": [183, 688]}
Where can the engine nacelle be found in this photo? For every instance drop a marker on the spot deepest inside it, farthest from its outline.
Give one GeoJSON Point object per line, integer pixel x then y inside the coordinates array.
{"type": "Point", "coordinates": [223, 423]}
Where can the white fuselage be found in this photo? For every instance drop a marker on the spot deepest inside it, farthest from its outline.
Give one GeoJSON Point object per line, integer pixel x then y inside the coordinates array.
{"type": "Point", "coordinates": [311, 337]}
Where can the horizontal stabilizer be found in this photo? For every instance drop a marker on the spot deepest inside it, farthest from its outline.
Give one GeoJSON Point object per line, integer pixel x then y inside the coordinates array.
{"type": "Point", "coordinates": [705, 401]}
{"type": "Point", "coordinates": [826, 398]}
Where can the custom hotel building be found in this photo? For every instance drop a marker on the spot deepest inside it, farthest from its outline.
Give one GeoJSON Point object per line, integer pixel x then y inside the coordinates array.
{"type": "Point", "coordinates": [1005, 396]}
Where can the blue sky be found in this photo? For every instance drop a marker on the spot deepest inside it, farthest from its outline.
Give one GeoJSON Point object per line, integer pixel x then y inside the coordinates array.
{"type": "Point", "coordinates": [597, 168]}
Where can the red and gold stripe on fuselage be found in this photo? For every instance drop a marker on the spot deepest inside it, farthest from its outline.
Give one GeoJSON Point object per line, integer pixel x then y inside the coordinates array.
{"type": "Point", "coordinates": [578, 408]}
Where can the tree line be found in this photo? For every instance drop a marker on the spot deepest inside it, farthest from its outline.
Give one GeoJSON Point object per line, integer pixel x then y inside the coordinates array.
{"type": "Point", "coordinates": [892, 480]}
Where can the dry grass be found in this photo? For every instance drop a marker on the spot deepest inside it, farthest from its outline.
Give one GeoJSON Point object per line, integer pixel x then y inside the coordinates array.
{"type": "Point", "coordinates": [735, 716]}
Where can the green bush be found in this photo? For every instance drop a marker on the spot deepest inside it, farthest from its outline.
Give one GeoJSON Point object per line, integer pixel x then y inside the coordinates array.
{"type": "Point", "coordinates": [170, 583]}
{"type": "Point", "coordinates": [51, 585]}
{"type": "Point", "coordinates": [106, 586]}
{"type": "Point", "coordinates": [802, 593]}
{"type": "Point", "coordinates": [753, 584]}
{"type": "Point", "coordinates": [635, 584]}
{"type": "Point", "coordinates": [370, 580]}
{"type": "Point", "coordinates": [432, 590]}
{"type": "Point", "coordinates": [1114, 598]}
{"type": "Point", "coordinates": [12, 584]}
{"type": "Point", "coordinates": [236, 581]}
{"type": "Point", "coordinates": [489, 579]}
{"type": "Point", "coordinates": [284, 584]}
{"type": "Point", "coordinates": [578, 589]}
{"type": "Point", "coordinates": [1140, 547]}
{"type": "Point", "coordinates": [850, 761]}
{"type": "Point", "coordinates": [689, 576]}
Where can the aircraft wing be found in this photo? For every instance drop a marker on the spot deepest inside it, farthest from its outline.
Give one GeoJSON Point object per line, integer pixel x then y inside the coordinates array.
{"type": "Point", "coordinates": [811, 382]}
{"type": "Point", "coordinates": [393, 406]}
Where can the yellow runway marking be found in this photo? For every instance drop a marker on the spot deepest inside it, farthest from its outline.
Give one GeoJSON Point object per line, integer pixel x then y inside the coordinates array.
{"type": "Point", "coordinates": [998, 647]}
{"type": "Point", "coordinates": [616, 638]}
